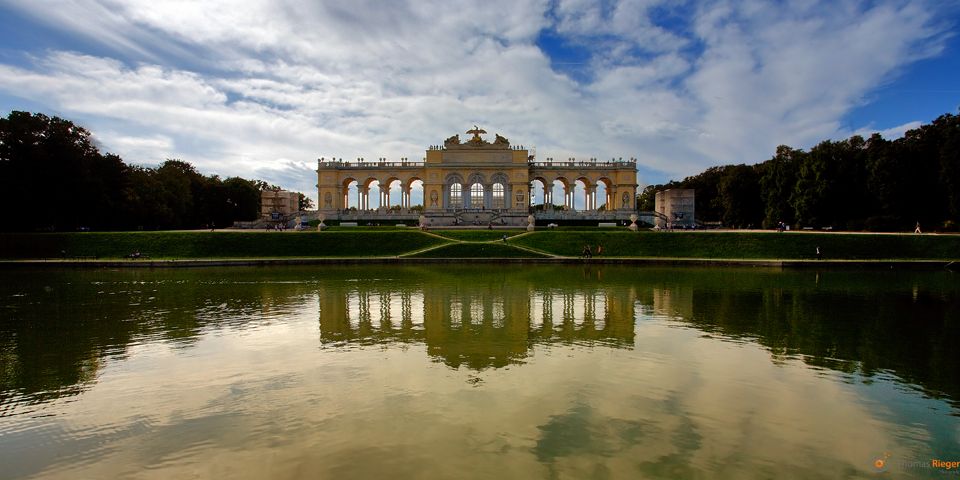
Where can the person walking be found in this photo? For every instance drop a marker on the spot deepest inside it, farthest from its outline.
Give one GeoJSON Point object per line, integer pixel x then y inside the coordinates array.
{"type": "Point", "coordinates": [917, 230]}
{"type": "Point", "coordinates": [819, 255]}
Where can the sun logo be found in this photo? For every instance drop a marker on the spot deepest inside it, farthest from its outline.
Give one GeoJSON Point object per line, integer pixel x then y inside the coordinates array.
{"type": "Point", "coordinates": [880, 464]}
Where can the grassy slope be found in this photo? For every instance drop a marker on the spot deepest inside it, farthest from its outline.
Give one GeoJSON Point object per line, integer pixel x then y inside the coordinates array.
{"type": "Point", "coordinates": [215, 244]}
{"type": "Point", "coordinates": [747, 245]}
{"type": "Point", "coordinates": [389, 242]}
{"type": "Point", "coordinates": [477, 250]}
{"type": "Point", "coordinates": [476, 235]}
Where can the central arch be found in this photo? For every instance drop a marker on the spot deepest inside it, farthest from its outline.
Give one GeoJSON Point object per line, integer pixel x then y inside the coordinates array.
{"type": "Point", "coordinates": [475, 192]}
{"type": "Point", "coordinates": [476, 196]}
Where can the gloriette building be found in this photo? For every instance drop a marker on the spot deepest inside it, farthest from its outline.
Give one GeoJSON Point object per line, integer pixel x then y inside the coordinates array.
{"type": "Point", "coordinates": [480, 182]}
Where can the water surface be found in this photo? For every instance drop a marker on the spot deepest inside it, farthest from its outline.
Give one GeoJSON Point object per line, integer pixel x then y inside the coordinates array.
{"type": "Point", "coordinates": [478, 372]}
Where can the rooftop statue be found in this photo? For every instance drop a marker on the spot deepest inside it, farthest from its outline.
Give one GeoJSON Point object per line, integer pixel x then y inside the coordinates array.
{"type": "Point", "coordinates": [454, 140]}
{"type": "Point", "coordinates": [476, 135]}
{"type": "Point", "coordinates": [500, 140]}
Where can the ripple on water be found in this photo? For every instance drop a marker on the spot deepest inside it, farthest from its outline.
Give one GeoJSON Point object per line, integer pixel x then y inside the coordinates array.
{"type": "Point", "coordinates": [56, 444]}
{"type": "Point", "coordinates": [312, 369]}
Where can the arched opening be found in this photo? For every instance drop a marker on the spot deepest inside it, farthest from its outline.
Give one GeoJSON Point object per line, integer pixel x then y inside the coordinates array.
{"type": "Point", "coordinates": [453, 192]}
{"type": "Point", "coordinates": [560, 194]}
{"type": "Point", "coordinates": [414, 194]}
{"type": "Point", "coordinates": [603, 194]}
{"type": "Point", "coordinates": [351, 195]}
{"type": "Point", "coordinates": [456, 195]}
{"type": "Point", "coordinates": [371, 195]}
{"type": "Point", "coordinates": [538, 192]}
{"type": "Point", "coordinates": [476, 195]}
{"type": "Point", "coordinates": [581, 194]}
{"type": "Point", "coordinates": [497, 200]}
{"type": "Point", "coordinates": [394, 194]}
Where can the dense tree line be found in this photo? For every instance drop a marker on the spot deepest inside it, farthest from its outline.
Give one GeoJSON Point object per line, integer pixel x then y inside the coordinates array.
{"type": "Point", "coordinates": [55, 178]}
{"type": "Point", "coordinates": [854, 184]}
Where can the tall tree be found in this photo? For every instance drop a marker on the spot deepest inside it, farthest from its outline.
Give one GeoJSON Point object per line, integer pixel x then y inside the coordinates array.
{"type": "Point", "coordinates": [777, 184]}
{"type": "Point", "coordinates": [244, 197]}
{"type": "Point", "coordinates": [707, 185]}
{"type": "Point", "coordinates": [304, 202]}
{"type": "Point", "coordinates": [740, 197]}
{"type": "Point", "coordinates": [55, 176]}
{"type": "Point", "coordinates": [950, 165]}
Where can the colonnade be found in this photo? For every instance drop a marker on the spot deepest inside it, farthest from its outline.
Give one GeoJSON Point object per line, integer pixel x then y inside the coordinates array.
{"type": "Point", "coordinates": [363, 196]}
{"type": "Point", "coordinates": [569, 196]}
{"type": "Point", "coordinates": [488, 200]}
{"type": "Point", "coordinates": [361, 308]}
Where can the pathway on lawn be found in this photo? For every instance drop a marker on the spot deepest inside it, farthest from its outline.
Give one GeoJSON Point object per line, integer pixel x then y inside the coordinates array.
{"type": "Point", "coordinates": [446, 241]}
{"type": "Point", "coordinates": [499, 241]}
{"type": "Point", "coordinates": [532, 250]}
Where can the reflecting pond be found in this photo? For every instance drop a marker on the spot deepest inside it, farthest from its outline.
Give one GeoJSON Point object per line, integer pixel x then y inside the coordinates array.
{"type": "Point", "coordinates": [478, 371]}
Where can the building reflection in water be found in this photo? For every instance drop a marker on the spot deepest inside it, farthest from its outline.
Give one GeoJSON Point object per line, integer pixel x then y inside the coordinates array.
{"type": "Point", "coordinates": [477, 327]}
{"type": "Point", "coordinates": [61, 328]}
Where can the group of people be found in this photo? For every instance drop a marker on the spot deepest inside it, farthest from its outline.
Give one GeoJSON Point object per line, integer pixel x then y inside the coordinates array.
{"type": "Point", "coordinates": [587, 253]}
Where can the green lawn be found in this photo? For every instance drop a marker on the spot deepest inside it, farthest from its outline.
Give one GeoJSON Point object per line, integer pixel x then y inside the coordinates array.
{"type": "Point", "coordinates": [747, 245]}
{"type": "Point", "coordinates": [368, 243]}
{"type": "Point", "coordinates": [393, 242]}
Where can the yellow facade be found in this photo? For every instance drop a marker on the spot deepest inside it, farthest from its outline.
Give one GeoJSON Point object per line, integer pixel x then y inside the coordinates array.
{"type": "Point", "coordinates": [493, 180]}
{"type": "Point", "coordinates": [501, 328]}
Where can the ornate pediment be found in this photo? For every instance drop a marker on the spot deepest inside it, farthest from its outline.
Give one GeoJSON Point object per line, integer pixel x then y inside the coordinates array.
{"type": "Point", "coordinates": [476, 141]}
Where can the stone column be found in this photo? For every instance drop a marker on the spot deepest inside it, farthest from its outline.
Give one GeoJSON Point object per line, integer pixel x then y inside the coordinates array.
{"type": "Point", "coordinates": [488, 196]}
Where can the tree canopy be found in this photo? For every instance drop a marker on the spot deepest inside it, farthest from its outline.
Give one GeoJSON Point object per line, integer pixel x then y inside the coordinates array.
{"type": "Point", "coordinates": [56, 179]}
{"type": "Point", "coordinates": [854, 184]}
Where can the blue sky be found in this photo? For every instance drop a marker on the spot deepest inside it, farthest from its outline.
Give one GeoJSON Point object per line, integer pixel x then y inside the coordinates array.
{"type": "Point", "coordinates": [261, 89]}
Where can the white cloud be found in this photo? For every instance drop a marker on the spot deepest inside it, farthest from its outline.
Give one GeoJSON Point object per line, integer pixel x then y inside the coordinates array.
{"type": "Point", "coordinates": [774, 76]}
{"type": "Point", "coordinates": [263, 88]}
{"type": "Point", "coordinates": [149, 149]}
{"type": "Point", "coordinates": [891, 133]}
